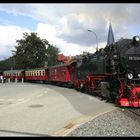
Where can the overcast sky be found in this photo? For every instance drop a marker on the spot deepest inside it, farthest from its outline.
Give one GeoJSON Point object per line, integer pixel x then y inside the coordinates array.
{"type": "Point", "coordinates": [66, 25]}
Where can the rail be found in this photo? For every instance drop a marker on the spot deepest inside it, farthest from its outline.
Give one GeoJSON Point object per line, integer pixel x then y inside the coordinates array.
{"type": "Point", "coordinates": [135, 111]}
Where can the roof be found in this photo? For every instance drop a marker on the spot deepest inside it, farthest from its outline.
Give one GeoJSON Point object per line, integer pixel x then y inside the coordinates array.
{"type": "Point", "coordinates": [63, 58]}
{"type": "Point", "coordinates": [62, 65]}
{"type": "Point", "coordinates": [35, 69]}
{"type": "Point", "coordinates": [13, 71]}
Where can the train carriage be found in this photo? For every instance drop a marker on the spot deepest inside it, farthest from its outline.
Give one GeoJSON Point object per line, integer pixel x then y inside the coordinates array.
{"type": "Point", "coordinates": [62, 74]}
{"type": "Point", "coordinates": [14, 74]}
{"type": "Point", "coordinates": [37, 74]}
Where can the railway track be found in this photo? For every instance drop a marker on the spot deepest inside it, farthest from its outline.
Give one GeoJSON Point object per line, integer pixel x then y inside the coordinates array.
{"type": "Point", "coordinates": [135, 111]}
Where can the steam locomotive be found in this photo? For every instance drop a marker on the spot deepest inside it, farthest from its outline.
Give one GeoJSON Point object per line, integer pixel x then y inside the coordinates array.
{"type": "Point", "coordinates": [113, 72]}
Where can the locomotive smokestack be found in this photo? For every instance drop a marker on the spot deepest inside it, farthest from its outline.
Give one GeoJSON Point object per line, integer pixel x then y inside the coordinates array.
{"type": "Point", "coordinates": [110, 38]}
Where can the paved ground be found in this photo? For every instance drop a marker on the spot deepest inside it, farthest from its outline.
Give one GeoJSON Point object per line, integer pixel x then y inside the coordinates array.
{"type": "Point", "coordinates": [39, 109]}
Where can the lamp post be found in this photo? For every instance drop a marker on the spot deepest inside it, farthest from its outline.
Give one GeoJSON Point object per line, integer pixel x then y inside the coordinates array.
{"type": "Point", "coordinates": [95, 36]}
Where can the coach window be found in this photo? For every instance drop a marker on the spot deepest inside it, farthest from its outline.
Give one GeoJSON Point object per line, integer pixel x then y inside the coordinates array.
{"type": "Point", "coordinates": [55, 72]}
{"type": "Point", "coordinates": [43, 72]}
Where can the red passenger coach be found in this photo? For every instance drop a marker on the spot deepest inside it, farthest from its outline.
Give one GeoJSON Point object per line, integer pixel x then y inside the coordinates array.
{"type": "Point", "coordinates": [38, 74]}
{"type": "Point", "coordinates": [14, 74]}
{"type": "Point", "coordinates": [62, 74]}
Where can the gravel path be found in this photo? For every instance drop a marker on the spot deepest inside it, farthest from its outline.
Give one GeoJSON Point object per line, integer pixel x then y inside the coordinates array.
{"type": "Point", "coordinates": [114, 123]}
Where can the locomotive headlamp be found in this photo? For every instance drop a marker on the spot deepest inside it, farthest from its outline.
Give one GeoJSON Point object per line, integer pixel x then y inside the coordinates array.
{"type": "Point", "coordinates": [136, 38]}
{"type": "Point", "coordinates": [130, 75]}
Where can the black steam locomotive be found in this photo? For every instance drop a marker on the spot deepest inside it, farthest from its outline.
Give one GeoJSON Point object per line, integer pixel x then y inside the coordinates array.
{"type": "Point", "coordinates": [113, 71]}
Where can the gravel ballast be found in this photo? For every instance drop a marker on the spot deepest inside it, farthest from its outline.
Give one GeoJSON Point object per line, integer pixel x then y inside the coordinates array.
{"type": "Point", "coordinates": [114, 123]}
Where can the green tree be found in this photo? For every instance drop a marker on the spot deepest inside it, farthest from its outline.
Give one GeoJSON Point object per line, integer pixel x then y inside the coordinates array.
{"type": "Point", "coordinates": [31, 51]}
{"type": "Point", "coordinates": [52, 54]}
{"type": "Point", "coordinates": [7, 63]}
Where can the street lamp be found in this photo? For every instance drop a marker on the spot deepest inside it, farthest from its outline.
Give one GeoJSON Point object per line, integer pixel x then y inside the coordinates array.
{"type": "Point", "coordinates": [95, 36]}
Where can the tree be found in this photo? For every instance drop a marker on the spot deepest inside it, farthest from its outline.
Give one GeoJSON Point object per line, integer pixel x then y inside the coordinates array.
{"type": "Point", "coordinates": [7, 63]}
{"type": "Point", "coordinates": [31, 51]}
{"type": "Point", "coordinates": [52, 55]}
